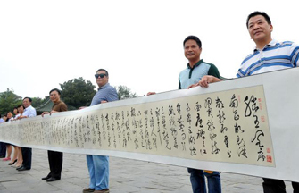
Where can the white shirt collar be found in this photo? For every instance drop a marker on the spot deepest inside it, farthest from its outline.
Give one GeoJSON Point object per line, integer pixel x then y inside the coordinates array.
{"type": "Point", "coordinates": [273, 42]}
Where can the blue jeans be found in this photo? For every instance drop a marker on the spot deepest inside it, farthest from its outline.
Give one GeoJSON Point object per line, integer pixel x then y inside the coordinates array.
{"type": "Point", "coordinates": [98, 168]}
{"type": "Point", "coordinates": [198, 181]}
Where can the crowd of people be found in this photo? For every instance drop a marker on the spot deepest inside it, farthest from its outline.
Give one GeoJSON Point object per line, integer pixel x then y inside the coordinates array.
{"type": "Point", "coordinates": [98, 165]}
{"type": "Point", "coordinates": [19, 157]}
{"type": "Point", "coordinates": [268, 55]}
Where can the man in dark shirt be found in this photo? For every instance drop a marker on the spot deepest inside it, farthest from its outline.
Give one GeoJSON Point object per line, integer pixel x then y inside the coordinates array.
{"type": "Point", "coordinates": [55, 157]}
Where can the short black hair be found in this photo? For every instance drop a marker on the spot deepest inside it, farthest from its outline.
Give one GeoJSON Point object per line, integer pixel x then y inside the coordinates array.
{"type": "Point", "coordinates": [196, 39]}
{"type": "Point", "coordinates": [265, 15]}
{"type": "Point", "coordinates": [21, 106]}
{"type": "Point", "coordinates": [30, 100]}
{"type": "Point", "coordinates": [55, 89]}
{"type": "Point", "coordinates": [106, 72]}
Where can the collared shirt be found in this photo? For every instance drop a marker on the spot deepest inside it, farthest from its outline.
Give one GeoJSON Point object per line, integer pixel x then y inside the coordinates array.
{"type": "Point", "coordinates": [105, 93]}
{"type": "Point", "coordinates": [191, 76]}
{"type": "Point", "coordinates": [274, 56]}
{"type": "Point", "coordinates": [30, 111]}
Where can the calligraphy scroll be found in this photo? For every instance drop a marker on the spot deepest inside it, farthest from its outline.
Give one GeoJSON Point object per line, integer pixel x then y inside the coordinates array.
{"type": "Point", "coordinates": [219, 128]}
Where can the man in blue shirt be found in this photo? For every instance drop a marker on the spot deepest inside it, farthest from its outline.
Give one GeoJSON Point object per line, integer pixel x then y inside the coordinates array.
{"type": "Point", "coordinates": [98, 165]}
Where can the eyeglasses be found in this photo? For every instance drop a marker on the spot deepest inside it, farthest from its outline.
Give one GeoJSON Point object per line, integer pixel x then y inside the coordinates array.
{"type": "Point", "coordinates": [99, 75]}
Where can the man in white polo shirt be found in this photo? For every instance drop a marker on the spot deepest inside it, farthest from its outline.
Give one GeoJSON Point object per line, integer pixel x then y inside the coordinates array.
{"type": "Point", "coordinates": [27, 151]}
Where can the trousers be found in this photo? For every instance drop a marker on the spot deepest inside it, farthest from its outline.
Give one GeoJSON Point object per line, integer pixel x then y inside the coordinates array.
{"type": "Point", "coordinates": [277, 186]}
{"type": "Point", "coordinates": [98, 168]}
{"type": "Point", "coordinates": [26, 154]}
{"type": "Point", "coordinates": [2, 149]}
{"type": "Point", "coordinates": [55, 163]}
{"type": "Point", "coordinates": [198, 181]}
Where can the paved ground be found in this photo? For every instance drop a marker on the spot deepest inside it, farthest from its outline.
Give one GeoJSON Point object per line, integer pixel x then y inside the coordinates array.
{"type": "Point", "coordinates": [126, 176]}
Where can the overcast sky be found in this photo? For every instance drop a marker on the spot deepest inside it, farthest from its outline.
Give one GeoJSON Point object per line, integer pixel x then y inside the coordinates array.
{"type": "Point", "coordinates": [140, 43]}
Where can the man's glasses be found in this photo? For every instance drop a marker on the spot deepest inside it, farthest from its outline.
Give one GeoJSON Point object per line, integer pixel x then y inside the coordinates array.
{"type": "Point", "coordinates": [99, 75]}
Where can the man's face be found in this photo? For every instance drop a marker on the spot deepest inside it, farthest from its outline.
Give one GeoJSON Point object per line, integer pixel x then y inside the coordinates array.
{"type": "Point", "coordinates": [101, 81]}
{"type": "Point", "coordinates": [259, 29]}
{"type": "Point", "coordinates": [54, 96]}
{"type": "Point", "coordinates": [192, 50]}
{"type": "Point", "coordinates": [26, 102]}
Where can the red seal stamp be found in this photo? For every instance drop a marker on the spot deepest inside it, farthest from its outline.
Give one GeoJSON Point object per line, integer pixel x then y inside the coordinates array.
{"type": "Point", "coordinates": [269, 158]}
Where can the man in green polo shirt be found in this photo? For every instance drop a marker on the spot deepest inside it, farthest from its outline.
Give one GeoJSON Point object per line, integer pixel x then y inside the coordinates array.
{"type": "Point", "coordinates": [196, 69]}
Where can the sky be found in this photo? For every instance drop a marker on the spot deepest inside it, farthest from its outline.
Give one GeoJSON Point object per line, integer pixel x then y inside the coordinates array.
{"type": "Point", "coordinates": [140, 43]}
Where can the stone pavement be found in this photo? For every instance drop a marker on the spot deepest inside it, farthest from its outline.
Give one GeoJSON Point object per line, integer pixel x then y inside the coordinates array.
{"type": "Point", "coordinates": [126, 176]}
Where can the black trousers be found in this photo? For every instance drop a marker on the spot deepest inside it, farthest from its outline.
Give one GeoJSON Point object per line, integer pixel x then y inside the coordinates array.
{"type": "Point", "coordinates": [2, 149]}
{"type": "Point", "coordinates": [55, 164]}
{"type": "Point", "coordinates": [26, 154]}
{"type": "Point", "coordinates": [277, 186]}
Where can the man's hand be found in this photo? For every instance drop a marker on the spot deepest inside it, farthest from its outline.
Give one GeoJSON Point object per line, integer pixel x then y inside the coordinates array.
{"type": "Point", "coordinates": [22, 117]}
{"type": "Point", "coordinates": [205, 81]}
{"type": "Point", "coordinates": [102, 102]}
{"type": "Point", "coordinates": [44, 113]}
{"type": "Point", "coordinates": [150, 93]}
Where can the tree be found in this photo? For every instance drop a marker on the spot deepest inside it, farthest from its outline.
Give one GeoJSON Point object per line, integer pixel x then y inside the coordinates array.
{"type": "Point", "coordinates": [8, 100]}
{"type": "Point", "coordinates": [37, 101]}
{"type": "Point", "coordinates": [77, 92]}
{"type": "Point", "coordinates": [124, 92]}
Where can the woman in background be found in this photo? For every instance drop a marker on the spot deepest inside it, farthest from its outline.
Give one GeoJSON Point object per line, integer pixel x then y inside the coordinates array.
{"type": "Point", "coordinates": [8, 145]}
{"type": "Point", "coordinates": [18, 149]}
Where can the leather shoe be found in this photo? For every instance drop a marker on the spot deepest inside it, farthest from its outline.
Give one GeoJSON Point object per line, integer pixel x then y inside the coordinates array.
{"type": "Point", "coordinates": [87, 190]}
{"type": "Point", "coordinates": [22, 169]}
{"type": "Point", "coordinates": [51, 179]}
{"type": "Point", "coordinates": [47, 177]}
{"type": "Point", "coordinates": [18, 167]}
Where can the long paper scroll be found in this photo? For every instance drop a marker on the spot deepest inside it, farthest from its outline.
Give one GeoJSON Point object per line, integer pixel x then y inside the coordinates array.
{"type": "Point", "coordinates": [224, 128]}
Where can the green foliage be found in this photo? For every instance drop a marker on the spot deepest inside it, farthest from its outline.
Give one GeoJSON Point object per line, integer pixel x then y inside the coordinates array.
{"type": "Point", "coordinates": [77, 92]}
{"type": "Point", "coordinates": [8, 100]}
{"type": "Point", "coordinates": [37, 101]}
{"type": "Point", "coordinates": [124, 92]}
